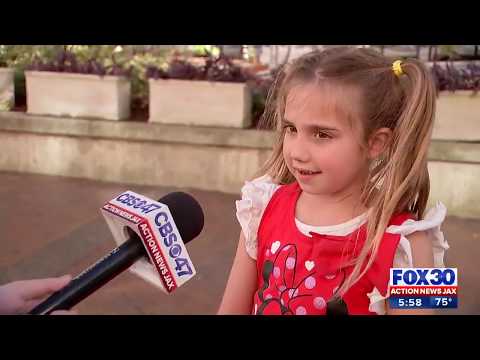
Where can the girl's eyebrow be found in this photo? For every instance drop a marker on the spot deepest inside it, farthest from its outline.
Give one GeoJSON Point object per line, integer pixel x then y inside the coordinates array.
{"type": "Point", "coordinates": [312, 127]}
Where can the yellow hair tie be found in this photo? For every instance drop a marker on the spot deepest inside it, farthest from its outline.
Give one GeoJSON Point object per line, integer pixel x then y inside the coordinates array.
{"type": "Point", "coordinates": [397, 68]}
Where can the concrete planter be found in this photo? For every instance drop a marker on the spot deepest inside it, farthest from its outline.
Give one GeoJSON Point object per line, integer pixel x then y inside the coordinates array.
{"type": "Point", "coordinates": [200, 103]}
{"type": "Point", "coordinates": [78, 95]}
{"type": "Point", "coordinates": [7, 89]}
{"type": "Point", "coordinates": [458, 116]}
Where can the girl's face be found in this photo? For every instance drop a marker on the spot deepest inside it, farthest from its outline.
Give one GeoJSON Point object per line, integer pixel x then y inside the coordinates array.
{"type": "Point", "coordinates": [321, 148]}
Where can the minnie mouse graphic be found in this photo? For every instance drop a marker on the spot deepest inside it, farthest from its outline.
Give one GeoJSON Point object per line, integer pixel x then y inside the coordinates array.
{"type": "Point", "coordinates": [283, 288]}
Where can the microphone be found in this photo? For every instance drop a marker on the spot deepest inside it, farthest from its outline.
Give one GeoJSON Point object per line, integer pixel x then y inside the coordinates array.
{"type": "Point", "coordinates": [187, 216]}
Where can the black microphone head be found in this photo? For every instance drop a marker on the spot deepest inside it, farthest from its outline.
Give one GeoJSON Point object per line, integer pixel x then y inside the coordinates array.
{"type": "Point", "coordinates": [186, 212]}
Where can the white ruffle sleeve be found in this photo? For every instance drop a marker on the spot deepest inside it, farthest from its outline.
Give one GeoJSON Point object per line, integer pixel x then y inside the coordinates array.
{"type": "Point", "coordinates": [255, 196]}
{"type": "Point", "coordinates": [403, 255]}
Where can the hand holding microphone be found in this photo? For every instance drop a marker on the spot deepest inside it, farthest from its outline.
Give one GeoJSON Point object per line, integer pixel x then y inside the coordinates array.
{"type": "Point", "coordinates": [155, 234]}
{"type": "Point", "coordinates": [18, 297]}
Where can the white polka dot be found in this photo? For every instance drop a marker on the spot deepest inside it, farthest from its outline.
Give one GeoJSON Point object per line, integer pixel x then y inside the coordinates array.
{"type": "Point", "coordinates": [319, 303]}
{"type": "Point", "coordinates": [276, 271]}
{"type": "Point", "coordinates": [292, 293]}
{"type": "Point", "coordinates": [330, 276]}
{"type": "Point", "coordinates": [301, 311]}
{"type": "Point", "coordinates": [269, 296]}
{"type": "Point", "coordinates": [275, 247]}
{"type": "Point", "coordinates": [290, 263]}
{"type": "Point", "coordinates": [310, 282]}
{"type": "Point", "coordinates": [282, 287]}
{"type": "Point", "coordinates": [286, 248]}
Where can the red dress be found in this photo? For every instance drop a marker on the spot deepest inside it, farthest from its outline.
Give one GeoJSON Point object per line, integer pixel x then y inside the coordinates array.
{"type": "Point", "coordinates": [298, 274]}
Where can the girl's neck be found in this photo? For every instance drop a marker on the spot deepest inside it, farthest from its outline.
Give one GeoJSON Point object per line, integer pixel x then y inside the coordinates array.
{"type": "Point", "coordinates": [331, 209]}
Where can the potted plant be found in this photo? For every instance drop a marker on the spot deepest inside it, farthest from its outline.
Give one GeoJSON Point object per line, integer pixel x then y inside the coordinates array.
{"type": "Point", "coordinates": [458, 104]}
{"type": "Point", "coordinates": [68, 85]}
{"type": "Point", "coordinates": [7, 88]}
{"type": "Point", "coordinates": [214, 93]}
{"type": "Point", "coordinates": [138, 60]}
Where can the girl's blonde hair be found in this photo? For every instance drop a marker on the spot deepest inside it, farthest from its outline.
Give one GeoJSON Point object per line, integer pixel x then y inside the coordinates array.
{"type": "Point", "coordinates": [399, 180]}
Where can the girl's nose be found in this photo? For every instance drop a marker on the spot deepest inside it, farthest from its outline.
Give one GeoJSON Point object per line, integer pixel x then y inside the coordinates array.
{"type": "Point", "coordinates": [299, 150]}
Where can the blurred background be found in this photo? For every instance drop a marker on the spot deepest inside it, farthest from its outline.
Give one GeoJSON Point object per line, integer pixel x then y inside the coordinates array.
{"type": "Point", "coordinates": [80, 124]}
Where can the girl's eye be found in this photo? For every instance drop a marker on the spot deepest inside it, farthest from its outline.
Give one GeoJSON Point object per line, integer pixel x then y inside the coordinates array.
{"type": "Point", "coordinates": [289, 129]}
{"type": "Point", "coordinates": [321, 135]}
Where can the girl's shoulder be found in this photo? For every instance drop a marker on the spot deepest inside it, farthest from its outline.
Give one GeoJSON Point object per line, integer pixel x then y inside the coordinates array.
{"type": "Point", "coordinates": [256, 195]}
{"type": "Point", "coordinates": [431, 226]}
{"type": "Point", "coordinates": [405, 225]}
{"type": "Point", "coordinates": [260, 188]}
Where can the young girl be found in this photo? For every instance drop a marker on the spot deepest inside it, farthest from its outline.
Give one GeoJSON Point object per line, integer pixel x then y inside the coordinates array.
{"type": "Point", "coordinates": [343, 195]}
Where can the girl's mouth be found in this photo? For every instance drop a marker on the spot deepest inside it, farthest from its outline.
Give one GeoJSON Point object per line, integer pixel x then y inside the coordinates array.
{"type": "Point", "coordinates": [306, 173]}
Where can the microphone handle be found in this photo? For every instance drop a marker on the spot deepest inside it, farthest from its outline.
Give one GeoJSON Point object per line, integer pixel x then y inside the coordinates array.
{"type": "Point", "coordinates": [97, 275]}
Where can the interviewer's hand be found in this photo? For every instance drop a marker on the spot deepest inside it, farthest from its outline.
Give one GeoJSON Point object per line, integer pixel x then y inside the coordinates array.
{"type": "Point", "coordinates": [19, 297]}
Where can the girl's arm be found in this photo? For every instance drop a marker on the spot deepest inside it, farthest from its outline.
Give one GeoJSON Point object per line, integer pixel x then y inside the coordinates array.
{"type": "Point", "coordinates": [241, 285]}
{"type": "Point", "coordinates": [422, 253]}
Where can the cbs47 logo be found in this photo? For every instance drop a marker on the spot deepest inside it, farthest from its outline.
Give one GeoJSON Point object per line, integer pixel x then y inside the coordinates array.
{"type": "Point", "coordinates": [423, 277]}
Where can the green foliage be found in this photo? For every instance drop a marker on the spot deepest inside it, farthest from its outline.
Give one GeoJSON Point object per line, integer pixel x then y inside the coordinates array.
{"type": "Point", "coordinates": [138, 64]}
{"type": "Point", "coordinates": [20, 56]}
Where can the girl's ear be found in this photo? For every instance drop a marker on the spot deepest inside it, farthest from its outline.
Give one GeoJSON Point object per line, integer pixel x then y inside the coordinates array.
{"type": "Point", "coordinates": [378, 142]}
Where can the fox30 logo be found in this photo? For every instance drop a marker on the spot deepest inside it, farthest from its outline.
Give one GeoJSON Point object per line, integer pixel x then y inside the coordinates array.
{"type": "Point", "coordinates": [423, 288]}
{"type": "Point", "coordinates": [423, 277]}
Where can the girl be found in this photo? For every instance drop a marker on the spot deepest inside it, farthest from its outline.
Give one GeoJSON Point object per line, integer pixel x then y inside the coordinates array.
{"type": "Point", "coordinates": [343, 195]}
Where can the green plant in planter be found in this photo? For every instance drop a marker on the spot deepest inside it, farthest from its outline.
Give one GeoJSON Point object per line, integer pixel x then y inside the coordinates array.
{"type": "Point", "coordinates": [20, 56]}
{"type": "Point", "coordinates": [6, 104]}
{"type": "Point", "coordinates": [204, 50]}
{"type": "Point", "coordinates": [452, 78]}
{"type": "Point", "coordinates": [220, 69]}
{"type": "Point", "coordinates": [139, 63]}
{"type": "Point", "coordinates": [6, 93]}
{"type": "Point", "coordinates": [72, 59]}
{"type": "Point", "coordinates": [455, 52]}
{"type": "Point", "coordinates": [4, 55]}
